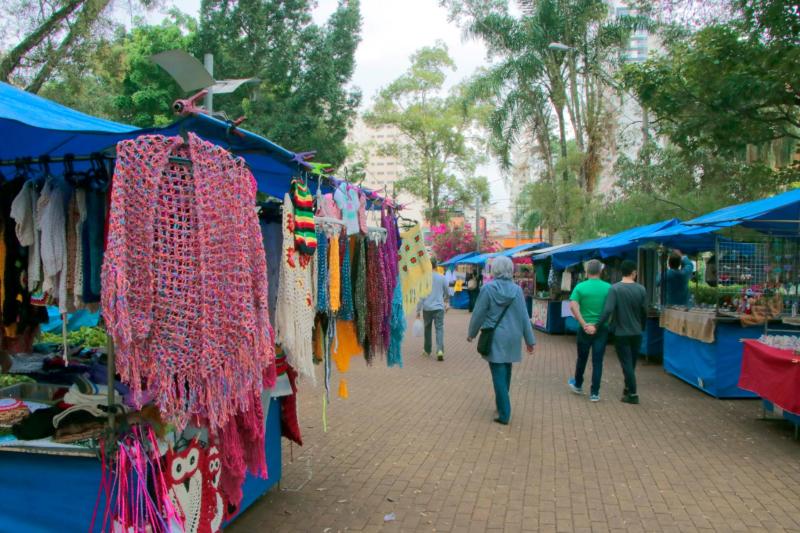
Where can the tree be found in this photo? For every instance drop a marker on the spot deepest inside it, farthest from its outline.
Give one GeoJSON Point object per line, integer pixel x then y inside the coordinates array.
{"type": "Point", "coordinates": [49, 33]}
{"type": "Point", "coordinates": [115, 77]}
{"type": "Point", "coordinates": [553, 55]}
{"type": "Point", "coordinates": [436, 150]}
{"type": "Point", "coordinates": [718, 90]}
{"type": "Point", "coordinates": [303, 101]}
{"type": "Point", "coordinates": [447, 241]}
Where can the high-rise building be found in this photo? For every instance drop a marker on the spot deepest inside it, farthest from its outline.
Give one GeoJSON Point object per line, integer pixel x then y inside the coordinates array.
{"type": "Point", "coordinates": [383, 171]}
{"type": "Point", "coordinates": [630, 121]}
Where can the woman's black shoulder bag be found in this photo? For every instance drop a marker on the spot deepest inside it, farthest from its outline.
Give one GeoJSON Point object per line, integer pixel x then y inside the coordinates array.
{"type": "Point", "coordinates": [486, 335]}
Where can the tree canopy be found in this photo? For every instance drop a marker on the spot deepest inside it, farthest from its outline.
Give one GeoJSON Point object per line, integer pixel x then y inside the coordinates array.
{"type": "Point", "coordinates": [436, 150]}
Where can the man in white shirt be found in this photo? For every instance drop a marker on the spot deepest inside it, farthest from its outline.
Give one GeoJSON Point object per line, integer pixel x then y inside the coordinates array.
{"type": "Point", "coordinates": [431, 309]}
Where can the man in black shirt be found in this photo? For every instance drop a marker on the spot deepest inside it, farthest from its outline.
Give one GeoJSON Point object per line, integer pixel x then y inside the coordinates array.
{"type": "Point", "coordinates": [626, 306]}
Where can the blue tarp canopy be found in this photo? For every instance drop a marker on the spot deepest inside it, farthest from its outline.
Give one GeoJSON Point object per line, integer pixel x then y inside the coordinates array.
{"type": "Point", "coordinates": [456, 258]}
{"type": "Point", "coordinates": [478, 259]}
{"type": "Point", "coordinates": [778, 214]}
{"type": "Point", "coordinates": [32, 126]}
{"type": "Point", "coordinates": [544, 253]}
{"type": "Point", "coordinates": [689, 239]}
{"type": "Point", "coordinates": [481, 259]}
{"type": "Point", "coordinates": [618, 245]}
{"type": "Point", "coordinates": [523, 248]}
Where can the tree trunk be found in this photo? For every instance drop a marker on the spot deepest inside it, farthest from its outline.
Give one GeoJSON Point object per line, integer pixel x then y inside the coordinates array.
{"type": "Point", "coordinates": [562, 138]}
{"type": "Point", "coordinates": [13, 58]}
{"type": "Point", "coordinates": [86, 18]}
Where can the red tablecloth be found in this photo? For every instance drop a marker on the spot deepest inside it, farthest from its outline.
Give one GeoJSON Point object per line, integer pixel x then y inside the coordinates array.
{"type": "Point", "coordinates": [772, 373]}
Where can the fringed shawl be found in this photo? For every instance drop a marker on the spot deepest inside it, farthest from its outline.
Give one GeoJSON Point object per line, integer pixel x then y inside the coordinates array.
{"type": "Point", "coordinates": [185, 291]}
{"type": "Point", "coordinates": [415, 268]}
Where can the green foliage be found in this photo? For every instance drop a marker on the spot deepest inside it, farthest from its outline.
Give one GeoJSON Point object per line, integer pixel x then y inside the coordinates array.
{"type": "Point", "coordinates": [90, 337]}
{"type": "Point", "coordinates": [720, 90]}
{"type": "Point", "coordinates": [303, 101]}
{"type": "Point", "coordinates": [670, 182]}
{"type": "Point", "coordinates": [437, 153]}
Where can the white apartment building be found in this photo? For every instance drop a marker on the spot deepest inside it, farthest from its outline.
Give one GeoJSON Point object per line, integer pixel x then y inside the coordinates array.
{"type": "Point", "coordinates": [383, 171]}
{"type": "Point", "coordinates": [629, 117]}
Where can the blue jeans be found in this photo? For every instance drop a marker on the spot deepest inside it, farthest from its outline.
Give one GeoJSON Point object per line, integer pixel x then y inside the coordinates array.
{"type": "Point", "coordinates": [501, 379]}
{"type": "Point", "coordinates": [596, 344]}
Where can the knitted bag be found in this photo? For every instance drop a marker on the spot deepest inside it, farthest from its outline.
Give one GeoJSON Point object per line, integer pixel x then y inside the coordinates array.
{"type": "Point", "coordinates": [185, 279]}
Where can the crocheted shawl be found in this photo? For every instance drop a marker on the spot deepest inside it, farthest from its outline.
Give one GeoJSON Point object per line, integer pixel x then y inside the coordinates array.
{"type": "Point", "coordinates": [184, 281]}
{"type": "Point", "coordinates": [415, 268]}
{"type": "Point", "coordinates": [295, 313]}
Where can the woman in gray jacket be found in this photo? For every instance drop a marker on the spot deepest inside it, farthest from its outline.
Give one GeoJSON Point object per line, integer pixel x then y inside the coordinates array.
{"type": "Point", "coordinates": [515, 326]}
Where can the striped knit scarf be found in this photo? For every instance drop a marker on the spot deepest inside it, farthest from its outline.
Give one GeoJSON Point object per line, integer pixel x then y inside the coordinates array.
{"type": "Point", "coordinates": [184, 280]}
{"type": "Point", "coordinates": [305, 237]}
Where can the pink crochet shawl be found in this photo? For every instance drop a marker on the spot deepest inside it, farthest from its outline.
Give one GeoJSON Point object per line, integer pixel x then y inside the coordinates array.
{"type": "Point", "coordinates": [185, 280]}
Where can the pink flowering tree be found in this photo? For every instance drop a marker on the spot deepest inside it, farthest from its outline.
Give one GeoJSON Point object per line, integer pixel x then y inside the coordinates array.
{"type": "Point", "coordinates": [447, 242]}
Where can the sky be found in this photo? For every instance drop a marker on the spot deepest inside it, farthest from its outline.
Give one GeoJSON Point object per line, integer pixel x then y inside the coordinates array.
{"type": "Point", "coordinates": [392, 30]}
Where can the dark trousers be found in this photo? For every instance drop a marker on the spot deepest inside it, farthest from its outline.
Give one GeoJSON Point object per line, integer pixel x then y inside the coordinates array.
{"type": "Point", "coordinates": [628, 351]}
{"type": "Point", "coordinates": [431, 318]}
{"type": "Point", "coordinates": [473, 297]}
{"type": "Point", "coordinates": [596, 345]}
{"type": "Point", "coordinates": [501, 379]}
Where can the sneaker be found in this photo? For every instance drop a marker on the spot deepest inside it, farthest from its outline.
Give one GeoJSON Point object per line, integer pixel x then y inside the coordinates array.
{"type": "Point", "coordinates": [425, 354]}
{"type": "Point", "coordinates": [574, 388]}
{"type": "Point", "coordinates": [594, 398]}
{"type": "Point", "coordinates": [440, 356]}
{"type": "Point", "coordinates": [631, 398]}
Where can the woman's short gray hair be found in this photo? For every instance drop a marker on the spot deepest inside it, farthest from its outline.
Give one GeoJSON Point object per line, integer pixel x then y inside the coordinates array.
{"type": "Point", "coordinates": [502, 267]}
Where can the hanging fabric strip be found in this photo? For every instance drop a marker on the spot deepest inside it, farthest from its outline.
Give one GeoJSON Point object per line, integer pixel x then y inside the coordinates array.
{"type": "Point", "coordinates": [346, 312]}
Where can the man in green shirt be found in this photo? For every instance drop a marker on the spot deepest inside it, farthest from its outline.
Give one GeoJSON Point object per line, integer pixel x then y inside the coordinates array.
{"type": "Point", "coordinates": [586, 303]}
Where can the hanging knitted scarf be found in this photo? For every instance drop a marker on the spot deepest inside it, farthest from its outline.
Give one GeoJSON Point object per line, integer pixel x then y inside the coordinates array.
{"type": "Point", "coordinates": [241, 449]}
{"type": "Point", "coordinates": [360, 290]}
{"type": "Point", "coordinates": [322, 272]}
{"type": "Point", "coordinates": [184, 281]}
{"type": "Point", "coordinates": [415, 269]}
{"type": "Point", "coordinates": [388, 251]}
{"type": "Point", "coordinates": [295, 303]}
{"type": "Point", "coordinates": [375, 301]}
{"type": "Point", "coordinates": [398, 325]}
{"type": "Point", "coordinates": [334, 273]}
{"type": "Point", "coordinates": [346, 312]}
{"type": "Point", "coordinates": [305, 237]}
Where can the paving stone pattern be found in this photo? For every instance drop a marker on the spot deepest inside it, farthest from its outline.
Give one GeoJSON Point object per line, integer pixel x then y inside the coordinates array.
{"type": "Point", "coordinates": [419, 442]}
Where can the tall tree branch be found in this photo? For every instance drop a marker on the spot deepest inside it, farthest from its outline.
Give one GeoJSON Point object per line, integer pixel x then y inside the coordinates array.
{"type": "Point", "coordinates": [13, 58]}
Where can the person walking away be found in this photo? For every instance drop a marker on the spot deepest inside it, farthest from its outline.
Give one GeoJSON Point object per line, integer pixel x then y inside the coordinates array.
{"type": "Point", "coordinates": [472, 289]}
{"type": "Point", "coordinates": [587, 303]}
{"type": "Point", "coordinates": [677, 277]}
{"type": "Point", "coordinates": [626, 307]}
{"type": "Point", "coordinates": [501, 305]}
{"type": "Point", "coordinates": [431, 309]}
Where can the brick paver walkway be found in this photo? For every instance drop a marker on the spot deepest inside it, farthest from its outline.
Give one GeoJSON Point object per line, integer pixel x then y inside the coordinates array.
{"type": "Point", "coordinates": [420, 443]}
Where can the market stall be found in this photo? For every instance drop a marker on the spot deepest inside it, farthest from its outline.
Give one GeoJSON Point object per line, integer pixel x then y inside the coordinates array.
{"type": "Point", "coordinates": [547, 305]}
{"type": "Point", "coordinates": [612, 250]}
{"type": "Point", "coordinates": [754, 249]}
{"type": "Point", "coordinates": [771, 369]}
{"type": "Point", "coordinates": [210, 333]}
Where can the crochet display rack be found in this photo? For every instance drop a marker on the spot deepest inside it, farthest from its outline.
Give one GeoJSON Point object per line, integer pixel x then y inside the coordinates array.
{"type": "Point", "coordinates": [32, 125]}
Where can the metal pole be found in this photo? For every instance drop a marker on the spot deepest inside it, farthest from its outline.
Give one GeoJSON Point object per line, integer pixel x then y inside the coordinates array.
{"type": "Point", "coordinates": [478, 223]}
{"type": "Point", "coordinates": [110, 377]}
{"type": "Point", "coordinates": [208, 103]}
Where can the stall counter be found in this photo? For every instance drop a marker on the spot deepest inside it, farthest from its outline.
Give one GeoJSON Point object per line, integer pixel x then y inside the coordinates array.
{"type": "Point", "coordinates": [44, 493]}
{"type": "Point", "coordinates": [547, 315]}
{"type": "Point", "coordinates": [705, 350]}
